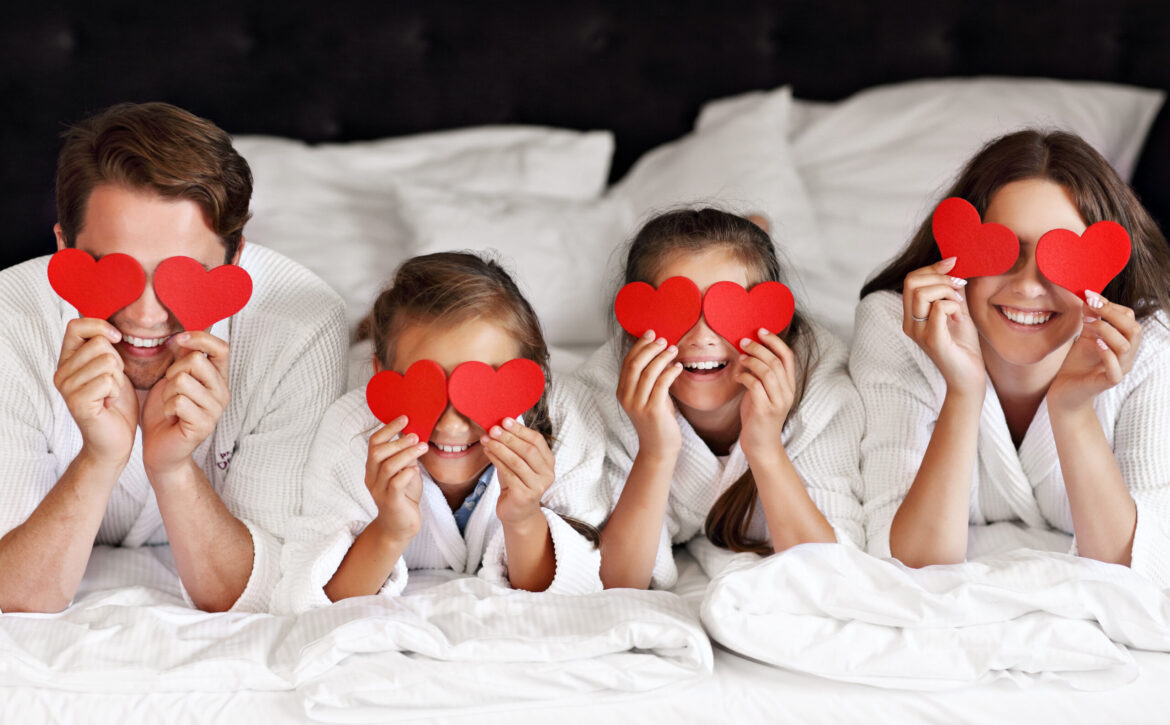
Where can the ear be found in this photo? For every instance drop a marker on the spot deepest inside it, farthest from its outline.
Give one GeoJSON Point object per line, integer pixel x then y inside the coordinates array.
{"type": "Point", "coordinates": [239, 250]}
{"type": "Point", "coordinates": [760, 221]}
{"type": "Point", "coordinates": [377, 364]}
{"type": "Point", "coordinates": [60, 237]}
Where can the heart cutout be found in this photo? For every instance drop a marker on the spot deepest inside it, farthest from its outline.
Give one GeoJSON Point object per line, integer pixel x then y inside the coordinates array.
{"type": "Point", "coordinates": [488, 396]}
{"type": "Point", "coordinates": [200, 297]}
{"type": "Point", "coordinates": [981, 250]}
{"type": "Point", "coordinates": [1079, 262]}
{"type": "Point", "coordinates": [735, 313]}
{"type": "Point", "coordinates": [670, 310]}
{"type": "Point", "coordinates": [420, 395]}
{"type": "Point", "coordinates": [97, 288]}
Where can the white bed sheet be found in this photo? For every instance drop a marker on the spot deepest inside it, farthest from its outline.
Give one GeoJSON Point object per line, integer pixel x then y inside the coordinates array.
{"type": "Point", "coordinates": [739, 691]}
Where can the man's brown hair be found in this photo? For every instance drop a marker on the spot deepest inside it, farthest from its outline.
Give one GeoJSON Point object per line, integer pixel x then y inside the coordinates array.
{"type": "Point", "coordinates": [164, 149]}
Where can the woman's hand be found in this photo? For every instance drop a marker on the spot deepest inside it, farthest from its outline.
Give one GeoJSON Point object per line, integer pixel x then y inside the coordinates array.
{"type": "Point", "coordinates": [767, 369]}
{"type": "Point", "coordinates": [525, 466]}
{"type": "Point", "coordinates": [644, 393]}
{"type": "Point", "coordinates": [1100, 357]}
{"type": "Point", "coordinates": [394, 480]}
{"type": "Point", "coordinates": [935, 316]}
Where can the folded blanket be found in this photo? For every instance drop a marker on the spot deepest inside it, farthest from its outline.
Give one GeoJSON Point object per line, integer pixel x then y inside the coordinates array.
{"type": "Point", "coordinates": [1023, 614]}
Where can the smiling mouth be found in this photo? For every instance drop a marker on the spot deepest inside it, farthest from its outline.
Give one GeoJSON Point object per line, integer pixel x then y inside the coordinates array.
{"type": "Point", "coordinates": [444, 450]}
{"type": "Point", "coordinates": [1025, 317]}
{"type": "Point", "coordinates": [145, 342]}
{"type": "Point", "coordinates": [705, 367]}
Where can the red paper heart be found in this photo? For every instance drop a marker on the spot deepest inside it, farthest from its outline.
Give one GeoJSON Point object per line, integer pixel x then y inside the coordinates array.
{"type": "Point", "coordinates": [97, 288]}
{"type": "Point", "coordinates": [488, 396]}
{"type": "Point", "coordinates": [982, 250]}
{"type": "Point", "coordinates": [1087, 261]}
{"type": "Point", "coordinates": [670, 310]}
{"type": "Point", "coordinates": [199, 297]}
{"type": "Point", "coordinates": [420, 395]}
{"type": "Point", "coordinates": [735, 313]}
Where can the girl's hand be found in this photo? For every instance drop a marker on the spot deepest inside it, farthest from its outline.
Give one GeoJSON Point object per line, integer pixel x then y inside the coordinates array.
{"type": "Point", "coordinates": [935, 316]}
{"type": "Point", "coordinates": [768, 372]}
{"type": "Point", "coordinates": [644, 393]}
{"type": "Point", "coordinates": [1100, 357]}
{"type": "Point", "coordinates": [525, 466]}
{"type": "Point", "coordinates": [394, 480]}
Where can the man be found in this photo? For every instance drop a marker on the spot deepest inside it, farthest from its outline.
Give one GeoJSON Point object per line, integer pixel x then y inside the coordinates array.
{"type": "Point", "coordinates": [130, 430]}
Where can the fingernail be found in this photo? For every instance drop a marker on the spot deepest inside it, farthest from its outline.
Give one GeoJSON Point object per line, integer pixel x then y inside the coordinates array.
{"type": "Point", "coordinates": [672, 349]}
{"type": "Point", "coordinates": [508, 422]}
{"type": "Point", "coordinates": [949, 262]}
{"type": "Point", "coordinates": [959, 296]}
{"type": "Point", "coordinates": [762, 331]}
{"type": "Point", "coordinates": [745, 342]}
{"type": "Point", "coordinates": [400, 420]}
{"type": "Point", "coordinates": [422, 447]}
{"type": "Point", "coordinates": [958, 281]}
{"type": "Point", "coordinates": [484, 440]}
{"type": "Point", "coordinates": [1101, 344]}
{"type": "Point", "coordinates": [660, 341]}
{"type": "Point", "coordinates": [648, 335]}
{"type": "Point", "coordinates": [496, 431]}
{"type": "Point", "coordinates": [412, 438]}
{"type": "Point", "coordinates": [1090, 319]}
{"type": "Point", "coordinates": [183, 338]}
{"type": "Point", "coordinates": [1095, 300]}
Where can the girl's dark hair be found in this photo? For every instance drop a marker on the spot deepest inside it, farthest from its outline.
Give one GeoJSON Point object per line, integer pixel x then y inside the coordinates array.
{"type": "Point", "coordinates": [692, 231]}
{"type": "Point", "coordinates": [451, 288]}
{"type": "Point", "coordinates": [1097, 191]}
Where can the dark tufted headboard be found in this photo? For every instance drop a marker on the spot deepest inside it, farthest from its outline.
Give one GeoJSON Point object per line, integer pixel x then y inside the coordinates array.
{"type": "Point", "coordinates": [359, 69]}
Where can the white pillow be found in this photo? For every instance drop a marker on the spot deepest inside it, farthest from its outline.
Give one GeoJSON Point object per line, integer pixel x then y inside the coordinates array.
{"type": "Point", "coordinates": [330, 207]}
{"type": "Point", "coordinates": [876, 163]}
{"type": "Point", "coordinates": [559, 251]}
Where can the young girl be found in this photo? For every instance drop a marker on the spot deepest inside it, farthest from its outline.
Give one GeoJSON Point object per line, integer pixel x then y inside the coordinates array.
{"type": "Point", "coordinates": [378, 503]}
{"type": "Point", "coordinates": [1007, 397]}
{"type": "Point", "coordinates": [757, 449]}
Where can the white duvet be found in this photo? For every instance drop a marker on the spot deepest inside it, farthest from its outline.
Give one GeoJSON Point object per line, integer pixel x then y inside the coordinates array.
{"type": "Point", "coordinates": [1021, 614]}
{"type": "Point", "coordinates": [451, 643]}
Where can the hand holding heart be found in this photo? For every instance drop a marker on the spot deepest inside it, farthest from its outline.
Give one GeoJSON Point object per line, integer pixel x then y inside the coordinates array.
{"type": "Point", "coordinates": [183, 408]}
{"type": "Point", "coordinates": [643, 391]}
{"type": "Point", "coordinates": [197, 297]}
{"type": "Point", "coordinates": [97, 392]}
{"type": "Point", "coordinates": [948, 335]}
{"type": "Point", "coordinates": [525, 466]}
{"type": "Point", "coordinates": [767, 370]}
{"type": "Point", "coordinates": [1099, 358]}
{"type": "Point", "coordinates": [394, 480]}
{"type": "Point", "coordinates": [484, 395]}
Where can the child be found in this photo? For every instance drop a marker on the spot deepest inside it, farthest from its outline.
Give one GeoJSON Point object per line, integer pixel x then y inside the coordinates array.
{"type": "Point", "coordinates": [759, 450]}
{"type": "Point", "coordinates": [378, 503]}
{"type": "Point", "coordinates": [1008, 397]}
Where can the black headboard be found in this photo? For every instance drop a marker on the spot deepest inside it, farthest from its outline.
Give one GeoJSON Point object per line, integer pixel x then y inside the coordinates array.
{"type": "Point", "coordinates": [347, 70]}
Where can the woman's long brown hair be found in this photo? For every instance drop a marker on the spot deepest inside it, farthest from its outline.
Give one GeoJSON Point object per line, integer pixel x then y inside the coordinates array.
{"type": "Point", "coordinates": [690, 231]}
{"type": "Point", "coordinates": [449, 288]}
{"type": "Point", "coordinates": [1097, 191]}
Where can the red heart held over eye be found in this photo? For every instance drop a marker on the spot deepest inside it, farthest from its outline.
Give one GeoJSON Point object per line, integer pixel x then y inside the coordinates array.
{"type": "Point", "coordinates": [420, 395]}
{"type": "Point", "coordinates": [982, 250]}
{"type": "Point", "coordinates": [488, 396]}
{"type": "Point", "coordinates": [670, 310]}
{"type": "Point", "coordinates": [735, 313]}
{"type": "Point", "coordinates": [1086, 261]}
{"type": "Point", "coordinates": [97, 288]}
{"type": "Point", "coordinates": [200, 297]}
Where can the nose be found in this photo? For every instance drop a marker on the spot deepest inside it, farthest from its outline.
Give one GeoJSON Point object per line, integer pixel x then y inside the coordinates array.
{"type": "Point", "coordinates": [453, 425]}
{"type": "Point", "coordinates": [1026, 279]}
{"type": "Point", "coordinates": [699, 336]}
{"type": "Point", "coordinates": [146, 312]}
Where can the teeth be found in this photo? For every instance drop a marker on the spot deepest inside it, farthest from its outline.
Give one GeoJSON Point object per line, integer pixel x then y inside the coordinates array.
{"type": "Point", "coordinates": [1026, 318]}
{"type": "Point", "coordinates": [451, 449]}
{"type": "Point", "coordinates": [144, 342]}
{"type": "Point", "coordinates": [707, 365]}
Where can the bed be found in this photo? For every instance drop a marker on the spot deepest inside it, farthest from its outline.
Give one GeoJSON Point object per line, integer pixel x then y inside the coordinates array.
{"type": "Point", "coordinates": [545, 133]}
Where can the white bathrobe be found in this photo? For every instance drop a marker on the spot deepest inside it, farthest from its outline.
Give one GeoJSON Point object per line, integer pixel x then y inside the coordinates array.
{"type": "Point", "coordinates": [903, 391]}
{"type": "Point", "coordinates": [338, 506]}
{"type": "Point", "coordinates": [285, 367]}
{"type": "Point", "coordinates": [821, 438]}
